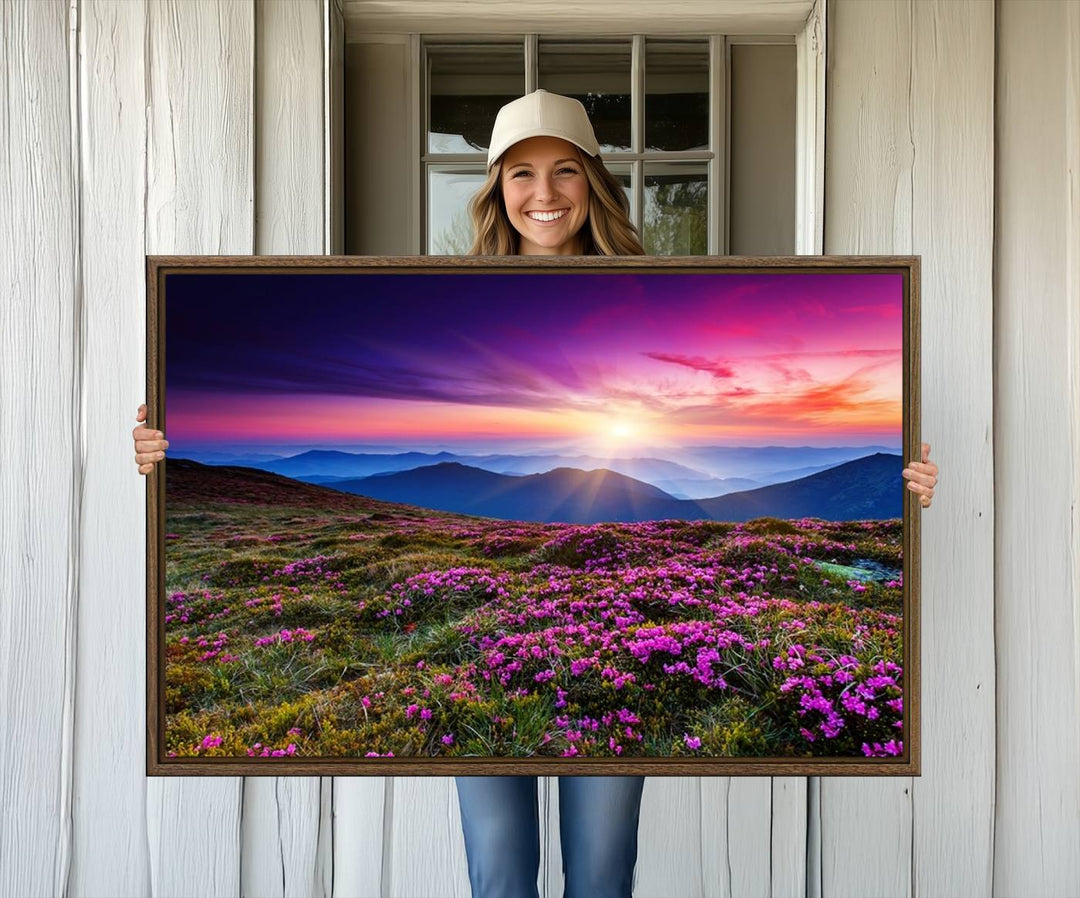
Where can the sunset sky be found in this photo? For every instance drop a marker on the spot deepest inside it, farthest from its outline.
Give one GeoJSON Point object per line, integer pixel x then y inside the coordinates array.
{"type": "Point", "coordinates": [605, 362]}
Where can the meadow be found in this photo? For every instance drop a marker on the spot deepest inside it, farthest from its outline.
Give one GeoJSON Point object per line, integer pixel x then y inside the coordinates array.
{"type": "Point", "coordinates": [304, 622]}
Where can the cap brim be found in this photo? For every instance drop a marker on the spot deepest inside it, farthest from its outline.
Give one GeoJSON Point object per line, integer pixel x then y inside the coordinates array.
{"type": "Point", "coordinates": [495, 152]}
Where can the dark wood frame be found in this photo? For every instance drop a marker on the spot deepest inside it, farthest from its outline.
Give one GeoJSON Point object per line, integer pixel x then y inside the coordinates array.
{"type": "Point", "coordinates": [157, 267]}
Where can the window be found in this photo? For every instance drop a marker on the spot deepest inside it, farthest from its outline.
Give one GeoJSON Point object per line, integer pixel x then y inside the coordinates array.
{"type": "Point", "coordinates": [660, 108]}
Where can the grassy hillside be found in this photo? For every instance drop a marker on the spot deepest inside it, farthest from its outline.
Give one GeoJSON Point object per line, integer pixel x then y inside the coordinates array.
{"type": "Point", "coordinates": [303, 621]}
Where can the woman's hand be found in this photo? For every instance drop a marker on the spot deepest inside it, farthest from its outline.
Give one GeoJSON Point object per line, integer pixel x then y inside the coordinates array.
{"type": "Point", "coordinates": [922, 477]}
{"type": "Point", "coordinates": [150, 445]}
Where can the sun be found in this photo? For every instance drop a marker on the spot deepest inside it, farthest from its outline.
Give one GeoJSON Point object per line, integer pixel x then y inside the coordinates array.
{"type": "Point", "coordinates": [617, 432]}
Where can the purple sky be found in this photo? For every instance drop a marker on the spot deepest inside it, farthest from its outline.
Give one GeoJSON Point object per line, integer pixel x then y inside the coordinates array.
{"type": "Point", "coordinates": [614, 360]}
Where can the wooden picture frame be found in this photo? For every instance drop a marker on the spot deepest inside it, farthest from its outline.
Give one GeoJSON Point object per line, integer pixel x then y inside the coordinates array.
{"type": "Point", "coordinates": [681, 640]}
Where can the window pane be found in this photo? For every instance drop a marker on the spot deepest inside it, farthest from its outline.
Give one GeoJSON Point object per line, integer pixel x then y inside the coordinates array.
{"type": "Point", "coordinates": [676, 209]}
{"type": "Point", "coordinates": [449, 191]}
{"type": "Point", "coordinates": [624, 176]}
{"type": "Point", "coordinates": [466, 86]}
{"type": "Point", "coordinates": [597, 74]}
{"type": "Point", "coordinates": [676, 95]}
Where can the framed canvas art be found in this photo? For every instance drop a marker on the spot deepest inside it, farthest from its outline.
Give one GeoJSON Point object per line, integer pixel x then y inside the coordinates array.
{"type": "Point", "coordinates": [445, 516]}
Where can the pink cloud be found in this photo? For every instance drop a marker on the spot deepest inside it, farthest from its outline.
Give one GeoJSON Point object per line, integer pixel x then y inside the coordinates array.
{"type": "Point", "coordinates": [737, 393]}
{"type": "Point", "coordinates": [697, 363]}
{"type": "Point", "coordinates": [790, 374]}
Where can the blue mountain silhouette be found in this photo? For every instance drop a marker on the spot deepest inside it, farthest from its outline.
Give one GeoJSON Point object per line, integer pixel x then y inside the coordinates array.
{"type": "Point", "coordinates": [866, 488]}
{"type": "Point", "coordinates": [565, 494]}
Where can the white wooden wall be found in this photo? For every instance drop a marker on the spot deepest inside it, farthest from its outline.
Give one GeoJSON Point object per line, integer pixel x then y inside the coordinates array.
{"type": "Point", "coordinates": [1037, 450]}
{"type": "Point", "coordinates": [193, 126]}
{"type": "Point", "coordinates": [910, 152]}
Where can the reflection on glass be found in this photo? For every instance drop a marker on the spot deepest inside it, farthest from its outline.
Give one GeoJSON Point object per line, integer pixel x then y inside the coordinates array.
{"type": "Point", "coordinates": [466, 86]}
{"type": "Point", "coordinates": [450, 231]}
{"type": "Point", "coordinates": [676, 95]}
{"type": "Point", "coordinates": [623, 176]}
{"type": "Point", "coordinates": [597, 74]}
{"type": "Point", "coordinates": [676, 209]}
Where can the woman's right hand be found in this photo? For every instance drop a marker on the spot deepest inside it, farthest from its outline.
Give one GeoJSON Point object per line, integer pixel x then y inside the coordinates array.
{"type": "Point", "coordinates": [150, 445]}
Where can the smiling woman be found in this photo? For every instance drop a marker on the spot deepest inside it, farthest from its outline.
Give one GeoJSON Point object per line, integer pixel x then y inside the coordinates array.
{"type": "Point", "coordinates": [547, 190]}
{"type": "Point", "coordinates": [619, 361]}
{"type": "Point", "coordinates": [546, 195]}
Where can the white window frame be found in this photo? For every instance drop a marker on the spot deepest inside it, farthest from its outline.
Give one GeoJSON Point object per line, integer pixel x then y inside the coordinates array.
{"type": "Point", "coordinates": [809, 42]}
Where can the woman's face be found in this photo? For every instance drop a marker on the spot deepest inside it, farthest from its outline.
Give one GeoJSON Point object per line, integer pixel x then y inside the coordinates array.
{"type": "Point", "coordinates": [546, 195]}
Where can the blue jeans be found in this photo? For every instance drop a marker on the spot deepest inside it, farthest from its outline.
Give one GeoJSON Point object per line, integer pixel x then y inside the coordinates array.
{"type": "Point", "coordinates": [598, 822]}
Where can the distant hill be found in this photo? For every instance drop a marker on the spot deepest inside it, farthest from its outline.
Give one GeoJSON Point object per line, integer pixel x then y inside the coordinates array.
{"type": "Point", "coordinates": [868, 487]}
{"type": "Point", "coordinates": [683, 488]}
{"type": "Point", "coordinates": [771, 477]}
{"type": "Point", "coordinates": [693, 472]}
{"type": "Point", "coordinates": [647, 469]}
{"type": "Point", "coordinates": [326, 463]}
{"type": "Point", "coordinates": [705, 489]}
{"type": "Point", "coordinates": [565, 494]}
{"type": "Point", "coordinates": [192, 482]}
{"type": "Point", "coordinates": [773, 464]}
{"type": "Point", "coordinates": [323, 466]}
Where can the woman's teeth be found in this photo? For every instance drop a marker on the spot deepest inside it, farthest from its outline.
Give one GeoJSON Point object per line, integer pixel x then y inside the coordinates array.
{"type": "Point", "coordinates": [546, 216]}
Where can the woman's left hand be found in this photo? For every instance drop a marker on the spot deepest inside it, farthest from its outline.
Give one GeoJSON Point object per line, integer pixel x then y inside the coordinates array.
{"type": "Point", "coordinates": [922, 477]}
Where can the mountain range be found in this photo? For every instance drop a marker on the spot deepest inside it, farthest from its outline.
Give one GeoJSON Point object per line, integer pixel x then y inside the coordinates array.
{"type": "Point", "coordinates": [866, 488]}
{"type": "Point", "coordinates": [697, 473]}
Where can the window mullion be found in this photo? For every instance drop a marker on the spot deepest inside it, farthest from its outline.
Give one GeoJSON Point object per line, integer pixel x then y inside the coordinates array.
{"type": "Point", "coordinates": [717, 186]}
{"type": "Point", "coordinates": [532, 57]}
{"type": "Point", "coordinates": [422, 233]}
{"type": "Point", "coordinates": [637, 128]}
{"type": "Point", "coordinates": [725, 146]}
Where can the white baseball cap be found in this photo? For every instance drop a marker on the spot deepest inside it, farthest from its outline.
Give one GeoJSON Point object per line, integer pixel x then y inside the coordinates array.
{"type": "Point", "coordinates": [541, 114]}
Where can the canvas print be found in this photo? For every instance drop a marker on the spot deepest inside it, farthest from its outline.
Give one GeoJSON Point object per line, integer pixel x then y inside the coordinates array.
{"type": "Point", "coordinates": [556, 514]}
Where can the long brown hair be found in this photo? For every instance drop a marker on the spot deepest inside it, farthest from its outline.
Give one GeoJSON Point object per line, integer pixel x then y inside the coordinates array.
{"type": "Point", "coordinates": [607, 231]}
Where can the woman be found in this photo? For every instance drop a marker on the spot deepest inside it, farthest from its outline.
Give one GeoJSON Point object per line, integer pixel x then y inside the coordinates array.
{"type": "Point", "coordinates": [548, 193]}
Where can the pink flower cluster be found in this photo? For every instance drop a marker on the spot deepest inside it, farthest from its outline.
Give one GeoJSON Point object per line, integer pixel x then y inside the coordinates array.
{"type": "Point", "coordinates": [877, 750]}
{"type": "Point", "coordinates": [873, 692]}
{"type": "Point", "coordinates": [218, 644]}
{"type": "Point", "coordinates": [439, 587]}
{"type": "Point", "coordinates": [258, 750]}
{"type": "Point", "coordinates": [311, 570]}
{"type": "Point", "coordinates": [286, 636]}
{"type": "Point", "coordinates": [612, 730]}
{"type": "Point", "coordinates": [196, 608]}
